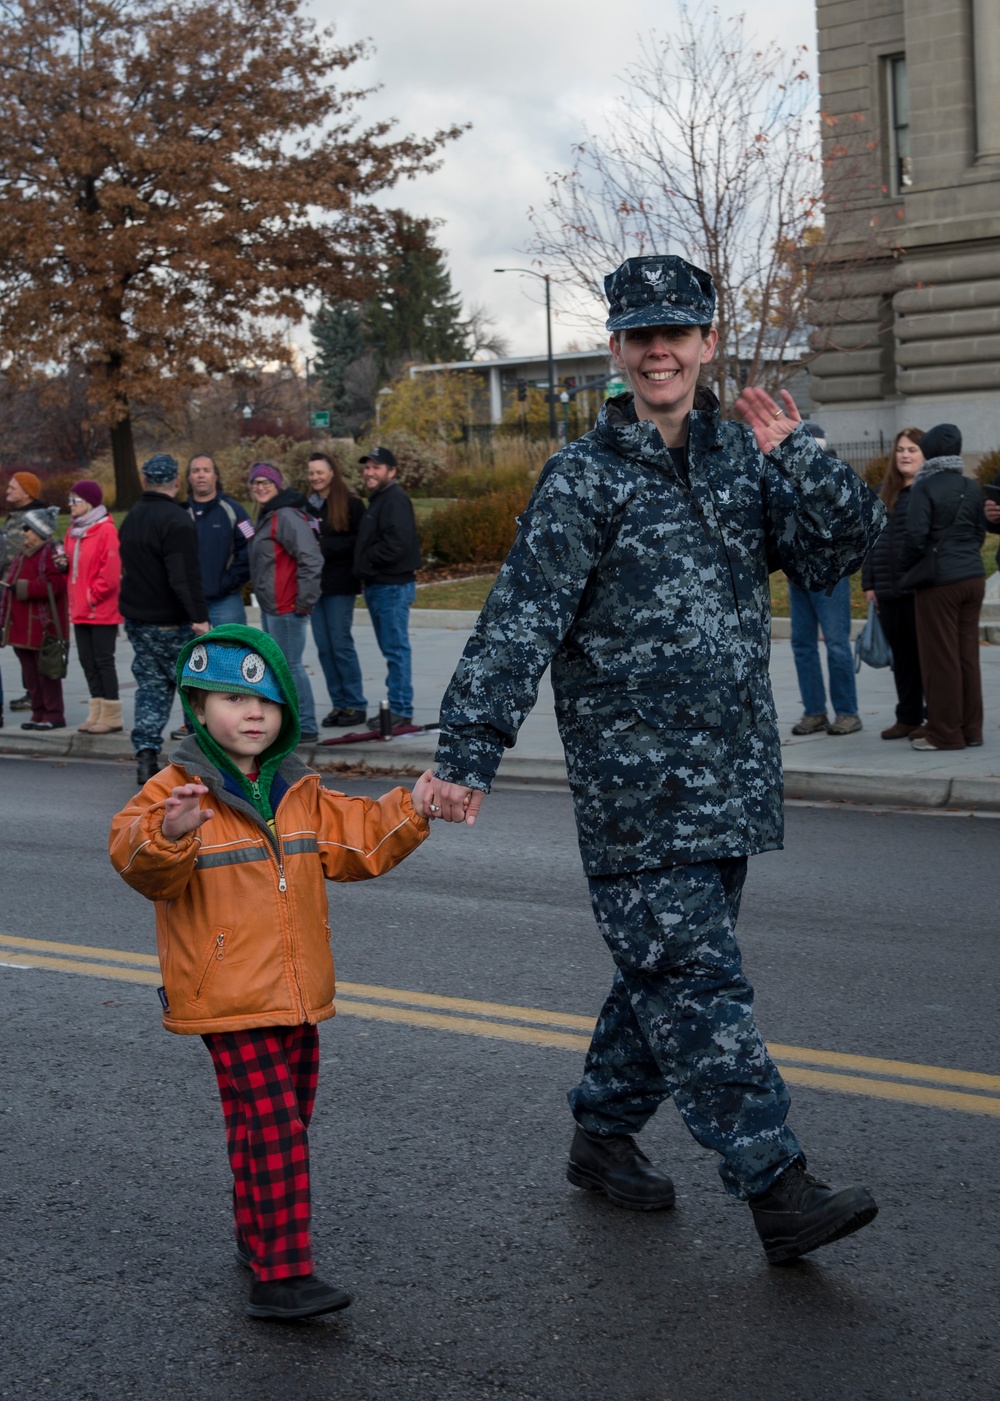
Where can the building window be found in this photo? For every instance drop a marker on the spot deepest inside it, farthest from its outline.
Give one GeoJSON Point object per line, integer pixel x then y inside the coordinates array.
{"type": "Point", "coordinates": [899, 123]}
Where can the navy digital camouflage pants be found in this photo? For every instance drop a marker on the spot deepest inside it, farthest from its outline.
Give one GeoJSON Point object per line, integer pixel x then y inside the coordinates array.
{"type": "Point", "coordinates": [679, 1022]}
{"type": "Point", "coordinates": [154, 666]}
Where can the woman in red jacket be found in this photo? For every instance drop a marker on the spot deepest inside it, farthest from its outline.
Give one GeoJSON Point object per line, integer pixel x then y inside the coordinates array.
{"type": "Point", "coordinates": [33, 584]}
{"type": "Point", "coordinates": [95, 571]}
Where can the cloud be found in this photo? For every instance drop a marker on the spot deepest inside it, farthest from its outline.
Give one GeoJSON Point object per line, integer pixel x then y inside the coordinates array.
{"type": "Point", "coordinates": [531, 76]}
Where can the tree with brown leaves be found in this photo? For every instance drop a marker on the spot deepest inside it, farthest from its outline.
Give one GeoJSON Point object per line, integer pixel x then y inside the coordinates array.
{"type": "Point", "coordinates": [176, 181]}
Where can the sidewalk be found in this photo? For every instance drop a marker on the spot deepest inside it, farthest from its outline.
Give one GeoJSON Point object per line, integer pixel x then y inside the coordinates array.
{"type": "Point", "coordinates": [860, 767]}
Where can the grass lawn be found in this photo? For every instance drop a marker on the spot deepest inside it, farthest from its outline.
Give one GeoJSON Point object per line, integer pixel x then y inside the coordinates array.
{"type": "Point", "coordinates": [471, 593]}
{"type": "Point", "coordinates": [462, 593]}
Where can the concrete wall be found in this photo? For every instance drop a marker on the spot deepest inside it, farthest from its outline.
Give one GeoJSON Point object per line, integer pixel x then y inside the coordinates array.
{"type": "Point", "coordinates": [909, 325]}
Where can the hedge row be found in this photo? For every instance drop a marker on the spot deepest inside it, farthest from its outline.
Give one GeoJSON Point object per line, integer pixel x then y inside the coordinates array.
{"type": "Point", "coordinates": [478, 531]}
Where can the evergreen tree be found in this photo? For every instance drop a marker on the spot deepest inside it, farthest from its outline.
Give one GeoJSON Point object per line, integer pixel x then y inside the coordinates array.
{"type": "Point", "coordinates": [338, 333]}
{"type": "Point", "coordinates": [415, 313]}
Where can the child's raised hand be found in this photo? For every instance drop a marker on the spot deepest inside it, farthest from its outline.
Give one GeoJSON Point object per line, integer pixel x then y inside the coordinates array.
{"type": "Point", "coordinates": [421, 794]}
{"type": "Point", "coordinates": [181, 812]}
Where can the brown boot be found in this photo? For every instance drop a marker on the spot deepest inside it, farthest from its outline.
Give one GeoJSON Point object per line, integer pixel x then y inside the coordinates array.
{"type": "Point", "coordinates": [93, 715]}
{"type": "Point", "coordinates": [111, 718]}
{"type": "Point", "coordinates": [899, 731]}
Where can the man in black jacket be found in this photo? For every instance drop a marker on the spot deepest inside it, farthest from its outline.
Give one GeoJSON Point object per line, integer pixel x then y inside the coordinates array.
{"type": "Point", "coordinates": [386, 559]}
{"type": "Point", "coordinates": [161, 600]}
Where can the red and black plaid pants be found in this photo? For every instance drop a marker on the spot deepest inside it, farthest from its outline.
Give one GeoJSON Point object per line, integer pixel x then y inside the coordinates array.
{"type": "Point", "coordinates": [267, 1079]}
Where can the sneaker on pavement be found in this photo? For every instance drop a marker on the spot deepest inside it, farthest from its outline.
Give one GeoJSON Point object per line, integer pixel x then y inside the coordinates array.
{"type": "Point", "coordinates": [798, 1214]}
{"type": "Point", "coordinates": [615, 1165]}
{"type": "Point", "coordinates": [810, 725]}
{"type": "Point", "coordinates": [308, 736]}
{"type": "Point", "coordinates": [845, 725]}
{"type": "Point", "coordinates": [921, 742]}
{"type": "Point", "coordinates": [899, 731]}
{"type": "Point", "coordinates": [304, 1296]}
{"type": "Point", "coordinates": [373, 720]}
{"type": "Point", "coordinates": [181, 732]}
{"type": "Point", "coordinates": [21, 703]}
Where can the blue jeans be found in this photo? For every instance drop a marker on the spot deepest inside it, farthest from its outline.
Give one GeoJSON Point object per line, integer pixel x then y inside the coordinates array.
{"type": "Point", "coordinates": [810, 612]}
{"type": "Point", "coordinates": [289, 632]}
{"type": "Point", "coordinates": [228, 609]}
{"type": "Point", "coordinates": [389, 609]}
{"type": "Point", "coordinates": [331, 625]}
{"type": "Point", "coordinates": [678, 1023]}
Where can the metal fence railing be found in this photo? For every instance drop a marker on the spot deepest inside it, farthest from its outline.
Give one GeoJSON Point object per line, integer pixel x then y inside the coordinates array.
{"type": "Point", "coordinates": [859, 455]}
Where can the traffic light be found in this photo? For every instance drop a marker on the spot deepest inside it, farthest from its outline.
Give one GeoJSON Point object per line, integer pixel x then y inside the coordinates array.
{"type": "Point", "coordinates": [571, 383]}
{"type": "Point", "coordinates": [522, 390]}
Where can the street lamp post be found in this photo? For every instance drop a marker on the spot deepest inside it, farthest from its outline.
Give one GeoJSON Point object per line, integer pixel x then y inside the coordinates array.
{"type": "Point", "coordinates": [553, 432]}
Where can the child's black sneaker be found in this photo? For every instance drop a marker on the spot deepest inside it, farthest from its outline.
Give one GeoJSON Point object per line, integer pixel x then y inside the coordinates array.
{"type": "Point", "coordinates": [798, 1214]}
{"type": "Point", "coordinates": [304, 1296]}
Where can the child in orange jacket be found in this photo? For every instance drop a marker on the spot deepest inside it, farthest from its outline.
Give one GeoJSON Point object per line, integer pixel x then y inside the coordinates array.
{"type": "Point", "coordinates": [234, 842]}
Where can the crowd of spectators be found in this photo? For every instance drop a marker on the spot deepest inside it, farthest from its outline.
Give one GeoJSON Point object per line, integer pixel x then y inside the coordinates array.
{"type": "Point", "coordinates": [177, 569]}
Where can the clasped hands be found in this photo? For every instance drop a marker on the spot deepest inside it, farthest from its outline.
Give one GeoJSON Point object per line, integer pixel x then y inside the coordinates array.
{"type": "Point", "coordinates": [451, 802]}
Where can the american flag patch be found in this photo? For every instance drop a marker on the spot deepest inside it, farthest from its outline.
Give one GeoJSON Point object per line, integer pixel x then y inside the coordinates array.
{"type": "Point", "coordinates": [245, 528]}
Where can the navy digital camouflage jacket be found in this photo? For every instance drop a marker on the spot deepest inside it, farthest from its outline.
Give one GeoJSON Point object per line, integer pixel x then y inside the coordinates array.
{"type": "Point", "coordinates": [649, 595]}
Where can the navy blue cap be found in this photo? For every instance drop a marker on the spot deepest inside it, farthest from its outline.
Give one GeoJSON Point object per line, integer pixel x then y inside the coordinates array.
{"type": "Point", "coordinates": [658, 291]}
{"type": "Point", "coordinates": [219, 666]}
{"type": "Point", "coordinates": [160, 468]}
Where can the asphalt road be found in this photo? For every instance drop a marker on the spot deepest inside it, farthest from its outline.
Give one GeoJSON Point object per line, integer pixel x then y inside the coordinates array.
{"type": "Point", "coordinates": [441, 1130]}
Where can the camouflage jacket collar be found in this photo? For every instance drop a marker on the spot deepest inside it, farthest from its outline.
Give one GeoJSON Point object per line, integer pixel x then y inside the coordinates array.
{"type": "Point", "coordinates": [618, 428]}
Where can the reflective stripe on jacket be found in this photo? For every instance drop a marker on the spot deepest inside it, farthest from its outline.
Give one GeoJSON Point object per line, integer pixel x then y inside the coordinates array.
{"type": "Point", "coordinates": [241, 913]}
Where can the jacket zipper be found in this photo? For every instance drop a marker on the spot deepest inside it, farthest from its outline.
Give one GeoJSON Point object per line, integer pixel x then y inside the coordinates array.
{"type": "Point", "coordinates": [282, 884]}
{"type": "Point", "coordinates": [216, 956]}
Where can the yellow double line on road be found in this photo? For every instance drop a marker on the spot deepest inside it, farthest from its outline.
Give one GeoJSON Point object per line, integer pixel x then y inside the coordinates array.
{"type": "Point", "coordinates": [973, 1092]}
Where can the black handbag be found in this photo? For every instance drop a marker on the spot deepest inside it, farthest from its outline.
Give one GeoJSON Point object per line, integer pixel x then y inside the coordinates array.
{"type": "Point", "coordinates": [924, 574]}
{"type": "Point", "coordinates": [53, 655]}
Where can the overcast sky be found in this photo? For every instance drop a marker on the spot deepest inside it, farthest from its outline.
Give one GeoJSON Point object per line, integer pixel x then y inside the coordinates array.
{"type": "Point", "coordinates": [531, 76]}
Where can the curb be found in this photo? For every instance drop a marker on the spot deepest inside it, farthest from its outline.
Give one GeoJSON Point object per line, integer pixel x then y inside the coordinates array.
{"type": "Point", "coordinates": [410, 757]}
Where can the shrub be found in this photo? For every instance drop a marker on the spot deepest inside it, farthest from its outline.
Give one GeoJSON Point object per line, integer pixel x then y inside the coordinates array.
{"type": "Point", "coordinates": [483, 481]}
{"type": "Point", "coordinates": [988, 468]}
{"type": "Point", "coordinates": [874, 473]}
{"type": "Point", "coordinates": [478, 531]}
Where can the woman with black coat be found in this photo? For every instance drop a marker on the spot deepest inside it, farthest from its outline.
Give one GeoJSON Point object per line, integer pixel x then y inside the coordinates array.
{"type": "Point", "coordinates": [880, 581]}
{"type": "Point", "coordinates": [946, 515]}
{"type": "Point", "coordinates": [339, 513]}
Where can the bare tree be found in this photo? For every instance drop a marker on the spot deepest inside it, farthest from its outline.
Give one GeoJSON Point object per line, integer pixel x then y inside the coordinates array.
{"type": "Point", "coordinates": [712, 152]}
{"type": "Point", "coordinates": [484, 338]}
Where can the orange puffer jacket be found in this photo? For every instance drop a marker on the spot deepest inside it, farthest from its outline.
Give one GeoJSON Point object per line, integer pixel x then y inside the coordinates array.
{"type": "Point", "coordinates": [241, 915]}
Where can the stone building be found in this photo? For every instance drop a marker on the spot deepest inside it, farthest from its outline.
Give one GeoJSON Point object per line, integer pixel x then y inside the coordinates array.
{"type": "Point", "coordinates": [910, 327]}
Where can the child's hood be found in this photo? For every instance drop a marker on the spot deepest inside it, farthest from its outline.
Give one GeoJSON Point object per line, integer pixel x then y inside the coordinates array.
{"type": "Point", "coordinates": [237, 634]}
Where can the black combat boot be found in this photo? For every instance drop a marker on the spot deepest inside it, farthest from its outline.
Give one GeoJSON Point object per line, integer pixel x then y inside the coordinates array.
{"type": "Point", "coordinates": [304, 1296]}
{"type": "Point", "coordinates": [798, 1214]}
{"type": "Point", "coordinates": [615, 1165]}
{"type": "Point", "coordinates": [147, 763]}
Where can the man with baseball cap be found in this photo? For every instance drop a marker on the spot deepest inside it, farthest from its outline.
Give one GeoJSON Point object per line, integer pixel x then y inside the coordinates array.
{"type": "Point", "coordinates": [386, 560]}
{"type": "Point", "coordinates": [161, 600]}
{"type": "Point", "coordinates": [640, 572]}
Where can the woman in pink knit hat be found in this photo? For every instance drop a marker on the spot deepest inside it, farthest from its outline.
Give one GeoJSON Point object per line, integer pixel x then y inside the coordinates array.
{"type": "Point", "coordinates": [95, 571]}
